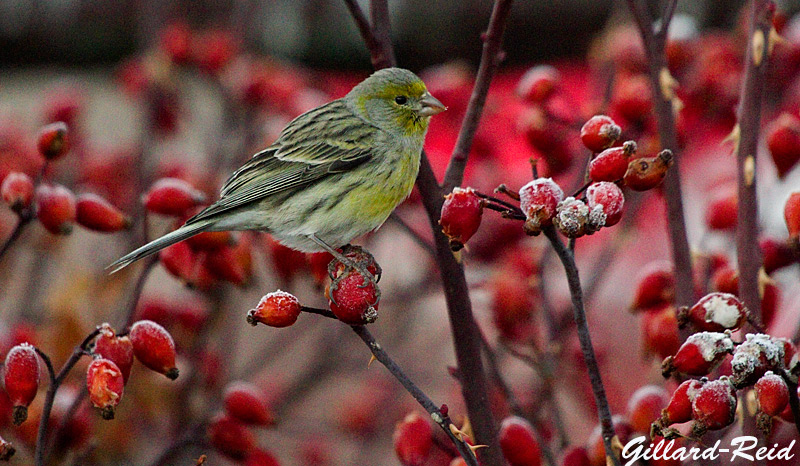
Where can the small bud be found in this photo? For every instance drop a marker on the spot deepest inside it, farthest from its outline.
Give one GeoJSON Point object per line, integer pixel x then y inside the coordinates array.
{"type": "Point", "coordinates": [117, 349]}
{"type": "Point", "coordinates": [413, 439]}
{"type": "Point", "coordinates": [354, 299]}
{"type": "Point", "coordinates": [572, 218]}
{"type": "Point", "coordinates": [700, 353]}
{"type": "Point", "coordinates": [230, 437]}
{"type": "Point", "coordinates": [611, 164]}
{"type": "Point", "coordinates": [17, 191]}
{"type": "Point", "coordinates": [276, 309]}
{"type": "Point", "coordinates": [647, 173]}
{"type": "Point", "coordinates": [538, 84]}
{"type": "Point", "coordinates": [55, 208]}
{"type": "Point", "coordinates": [539, 200]}
{"type": "Point", "coordinates": [716, 312]}
{"type": "Point", "coordinates": [599, 133]}
{"type": "Point", "coordinates": [153, 346]}
{"type": "Point", "coordinates": [609, 197]}
{"type": "Point", "coordinates": [461, 216]}
{"type": "Point", "coordinates": [96, 213]}
{"type": "Point", "coordinates": [105, 384]}
{"type": "Point", "coordinates": [21, 377]}
{"type": "Point", "coordinates": [714, 406]}
{"type": "Point", "coordinates": [246, 403]}
{"type": "Point", "coordinates": [772, 394]}
{"type": "Point", "coordinates": [645, 406]}
{"type": "Point", "coordinates": [783, 142]}
{"type": "Point", "coordinates": [172, 196]}
{"type": "Point", "coordinates": [53, 140]}
{"type": "Point", "coordinates": [518, 443]}
{"type": "Point", "coordinates": [655, 287]}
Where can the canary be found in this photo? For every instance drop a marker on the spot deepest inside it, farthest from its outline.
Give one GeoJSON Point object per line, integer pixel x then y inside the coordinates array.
{"type": "Point", "coordinates": [335, 172]}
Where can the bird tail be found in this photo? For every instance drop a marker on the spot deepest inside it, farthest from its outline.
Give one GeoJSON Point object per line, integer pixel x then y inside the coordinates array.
{"type": "Point", "coordinates": [182, 233]}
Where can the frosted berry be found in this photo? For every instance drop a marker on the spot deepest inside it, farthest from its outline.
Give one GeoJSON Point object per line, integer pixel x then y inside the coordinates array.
{"type": "Point", "coordinates": [246, 403]}
{"type": "Point", "coordinates": [722, 210]}
{"type": "Point", "coordinates": [230, 437]}
{"type": "Point", "coordinates": [95, 213]}
{"type": "Point", "coordinates": [538, 200]}
{"type": "Point", "coordinates": [172, 196]}
{"type": "Point", "coordinates": [116, 349]}
{"type": "Point", "coordinates": [276, 309]}
{"type": "Point", "coordinates": [354, 298]}
{"type": "Point", "coordinates": [609, 197]}
{"type": "Point", "coordinates": [772, 394]}
{"type": "Point", "coordinates": [645, 406]}
{"type": "Point", "coordinates": [612, 164]}
{"type": "Point", "coordinates": [754, 357]}
{"type": "Point", "coordinates": [783, 142]}
{"type": "Point", "coordinates": [518, 443]}
{"type": "Point", "coordinates": [413, 439]}
{"type": "Point", "coordinates": [55, 208]}
{"type": "Point", "coordinates": [572, 218]}
{"type": "Point", "coordinates": [655, 287]}
{"type": "Point", "coordinates": [17, 191]}
{"type": "Point", "coordinates": [700, 353]}
{"type": "Point", "coordinates": [21, 378]}
{"type": "Point", "coordinates": [53, 140]}
{"type": "Point", "coordinates": [538, 83]}
{"type": "Point", "coordinates": [105, 384]}
{"type": "Point", "coordinates": [599, 133]}
{"type": "Point", "coordinates": [714, 406]}
{"type": "Point", "coordinates": [791, 213]}
{"type": "Point", "coordinates": [461, 216]}
{"type": "Point", "coordinates": [716, 312]}
{"type": "Point", "coordinates": [647, 173]}
{"type": "Point", "coordinates": [679, 408]}
{"type": "Point", "coordinates": [153, 346]}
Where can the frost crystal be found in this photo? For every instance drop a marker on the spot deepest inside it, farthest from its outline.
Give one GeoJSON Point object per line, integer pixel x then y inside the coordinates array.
{"type": "Point", "coordinates": [711, 344]}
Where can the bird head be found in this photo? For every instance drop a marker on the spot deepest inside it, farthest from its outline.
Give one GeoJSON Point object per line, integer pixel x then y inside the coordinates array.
{"type": "Point", "coordinates": [395, 100]}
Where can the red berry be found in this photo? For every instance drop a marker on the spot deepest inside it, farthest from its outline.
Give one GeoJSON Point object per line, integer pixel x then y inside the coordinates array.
{"type": "Point", "coordinates": [716, 312]}
{"type": "Point", "coordinates": [17, 191]}
{"type": "Point", "coordinates": [518, 443]}
{"type": "Point", "coordinates": [660, 331]}
{"type": "Point", "coordinates": [791, 213]}
{"type": "Point", "coordinates": [647, 173]}
{"type": "Point", "coordinates": [95, 213]}
{"type": "Point", "coordinates": [538, 200]}
{"type": "Point", "coordinates": [714, 406]}
{"type": "Point", "coordinates": [105, 384]}
{"type": "Point", "coordinates": [55, 208]}
{"type": "Point", "coordinates": [776, 253]}
{"type": "Point", "coordinates": [461, 216]}
{"type": "Point", "coordinates": [722, 210]}
{"type": "Point", "coordinates": [632, 98]}
{"type": "Point", "coordinates": [351, 301]}
{"type": "Point", "coordinates": [230, 264]}
{"type": "Point", "coordinates": [575, 456]}
{"type": "Point", "coordinates": [679, 408]}
{"type": "Point", "coordinates": [700, 353]}
{"type": "Point", "coordinates": [153, 346]}
{"type": "Point", "coordinates": [21, 377]}
{"type": "Point", "coordinates": [53, 140]}
{"type": "Point", "coordinates": [318, 266]}
{"type": "Point", "coordinates": [179, 260]}
{"type": "Point", "coordinates": [210, 240]}
{"type": "Point", "coordinates": [609, 197]}
{"type": "Point", "coordinates": [595, 447]}
{"type": "Point", "coordinates": [214, 49]}
{"type": "Point", "coordinates": [772, 394]}
{"type": "Point", "coordinates": [230, 437]}
{"type": "Point", "coordinates": [172, 196]}
{"type": "Point", "coordinates": [600, 133]}
{"type": "Point", "coordinates": [538, 84]}
{"type": "Point", "coordinates": [611, 164]}
{"type": "Point", "coordinates": [512, 306]}
{"type": "Point", "coordinates": [175, 40]}
{"type": "Point", "coordinates": [276, 309]}
{"type": "Point", "coordinates": [117, 349]}
{"type": "Point", "coordinates": [783, 142]}
{"type": "Point", "coordinates": [645, 406]}
{"type": "Point", "coordinates": [655, 287]}
{"type": "Point", "coordinates": [754, 357]}
{"type": "Point", "coordinates": [574, 218]}
{"type": "Point", "coordinates": [246, 403]}
{"type": "Point", "coordinates": [261, 458]}
{"type": "Point", "coordinates": [413, 439]}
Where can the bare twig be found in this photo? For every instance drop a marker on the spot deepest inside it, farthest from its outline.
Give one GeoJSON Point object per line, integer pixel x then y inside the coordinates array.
{"type": "Point", "coordinates": [424, 243]}
{"type": "Point", "coordinates": [379, 12]}
{"type": "Point", "coordinates": [22, 222]}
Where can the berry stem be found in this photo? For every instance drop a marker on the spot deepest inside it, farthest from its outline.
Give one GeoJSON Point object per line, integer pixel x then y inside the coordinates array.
{"type": "Point", "coordinates": [579, 314]}
{"type": "Point", "coordinates": [23, 221]}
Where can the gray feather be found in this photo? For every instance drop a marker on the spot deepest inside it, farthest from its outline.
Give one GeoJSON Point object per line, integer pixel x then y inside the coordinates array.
{"type": "Point", "coordinates": [182, 233]}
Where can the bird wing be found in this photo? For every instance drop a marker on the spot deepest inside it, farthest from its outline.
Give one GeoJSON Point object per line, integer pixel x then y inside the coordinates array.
{"type": "Point", "coordinates": [324, 141]}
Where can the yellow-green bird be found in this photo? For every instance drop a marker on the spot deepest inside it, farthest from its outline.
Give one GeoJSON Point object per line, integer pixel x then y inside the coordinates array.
{"type": "Point", "coordinates": [334, 173]}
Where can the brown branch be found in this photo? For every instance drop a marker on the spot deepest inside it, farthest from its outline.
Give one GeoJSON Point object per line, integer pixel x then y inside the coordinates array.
{"type": "Point", "coordinates": [22, 222]}
{"type": "Point", "coordinates": [794, 404]}
{"type": "Point", "coordinates": [379, 12]}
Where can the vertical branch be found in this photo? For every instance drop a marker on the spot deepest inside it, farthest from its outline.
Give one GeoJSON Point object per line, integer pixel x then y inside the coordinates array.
{"type": "Point", "coordinates": [374, 47]}
{"type": "Point", "coordinates": [379, 11]}
{"type": "Point", "coordinates": [747, 250]}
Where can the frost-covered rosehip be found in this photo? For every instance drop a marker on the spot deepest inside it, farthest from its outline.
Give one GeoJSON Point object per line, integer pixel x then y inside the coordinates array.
{"type": "Point", "coordinates": [755, 356]}
{"type": "Point", "coordinates": [21, 378]}
{"type": "Point", "coordinates": [246, 403]}
{"type": "Point", "coordinates": [714, 406]}
{"type": "Point", "coordinates": [413, 439]}
{"type": "Point", "coordinates": [518, 442]}
{"type": "Point", "coordinates": [538, 200]}
{"type": "Point", "coordinates": [172, 196]}
{"type": "Point", "coordinates": [276, 309]}
{"type": "Point", "coordinates": [599, 133]}
{"type": "Point", "coordinates": [656, 286]}
{"type": "Point", "coordinates": [645, 406]}
{"type": "Point", "coordinates": [105, 384]}
{"type": "Point", "coordinates": [573, 218]}
{"type": "Point", "coordinates": [783, 142]}
{"type": "Point", "coordinates": [715, 312]}
{"type": "Point", "coordinates": [612, 164]}
{"type": "Point", "coordinates": [538, 83]}
{"type": "Point", "coordinates": [791, 213]}
{"type": "Point", "coordinates": [648, 172]}
{"type": "Point", "coordinates": [700, 353]}
{"type": "Point", "coordinates": [153, 346]}
{"type": "Point", "coordinates": [461, 216]}
{"type": "Point", "coordinates": [53, 140]}
{"type": "Point", "coordinates": [17, 191]}
{"type": "Point", "coordinates": [609, 197]}
{"type": "Point", "coordinates": [679, 408]}
{"type": "Point", "coordinates": [55, 208]}
{"type": "Point", "coordinates": [97, 214]}
{"type": "Point", "coordinates": [115, 348]}
{"type": "Point", "coordinates": [772, 394]}
{"type": "Point", "coordinates": [354, 299]}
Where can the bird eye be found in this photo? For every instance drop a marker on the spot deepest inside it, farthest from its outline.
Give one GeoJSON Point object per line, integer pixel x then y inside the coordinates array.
{"type": "Point", "coordinates": [400, 100]}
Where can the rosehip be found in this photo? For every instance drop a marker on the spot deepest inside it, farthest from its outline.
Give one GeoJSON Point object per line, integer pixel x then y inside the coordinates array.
{"type": "Point", "coordinates": [679, 408]}
{"type": "Point", "coordinates": [660, 331]}
{"type": "Point", "coordinates": [575, 456]}
{"type": "Point", "coordinates": [595, 447]}
{"type": "Point", "coordinates": [175, 40]}
{"type": "Point", "coordinates": [172, 196]}
{"type": "Point", "coordinates": [599, 133]}
{"type": "Point", "coordinates": [351, 301]}
{"type": "Point", "coordinates": [276, 309]}
{"type": "Point", "coordinates": [612, 164]}
{"type": "Point", "coordinates": [21, 377]}
{"type": "Point", "coordinates": [609, 197]}
{"type": "Point", "coordinates": [246, 403]}
{"type": "Point", "coordinates": [179, 260]}
{"type": "Point", "coordinates": [791, 213]}
{"type": "Point", "coordinates": [226, 264]}
{"type": "Point", "coordinates": [655, 287]}
{"type": "Point", "coordinates": [647, 173]}
{"type": "Point", "coordinates": [700, 353]}
{"type": "Point", "coordinates": [210, 240]}
{"type": "Point", "coordinates": [772, 394]}
{"type": "Point", "coordinates": [538, 84]}
{"type": "Point", "coordinates": [95, 213]}
{"type": "Point", "coordinates": [538, 200]}
{"type": "Point", "coordinates": [776, 253]}
{"type": "Point", "coordinates": [722, 211]}
{"type": "Point", "coordinates": [214, 49]}
{"type": "Point", "coordinates": [715, 312]}
{"type": "Point", "coordinates": [645, 406]}
{"type": "Point", "coordinates": [261, 458]}
{"type": "Point", "coordinates": [105, 384]}
{"type": "Point", "coordinates": [632, 98]}
{"type": "Point", "coordinates": [413, 439]}
{"type": "Point", "coordinates": [17, 191]}
{"type": "Point", "coordinates": [53, 140]}
{"type": "Point", "coordinates": [117, 349]}
{"type": "Point", "coordinates": [518, 443]}
{"type": "Point", "coordinates": [574, 218]}
{"type": "Point", "coordinates": [783, 142]}
{"type": "Point", "coordinates": [55, 208]}
{"type": "Point", "coordinates": [714, 406]}
{"type": "Point", "coordinates": [512, 306]}
{"type": "Point", "coordinates": [230, 437]}
{"type": "Point", "coordinates": [461, 216]}
{"type": "Point", "coordinates": [755, 356]}
{"type": "Point", "coordinates": [153, 346]}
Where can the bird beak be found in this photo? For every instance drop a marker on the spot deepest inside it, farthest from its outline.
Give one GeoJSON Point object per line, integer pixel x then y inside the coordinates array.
{"type": "Point", "coordinates": [431, 105]}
